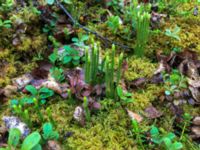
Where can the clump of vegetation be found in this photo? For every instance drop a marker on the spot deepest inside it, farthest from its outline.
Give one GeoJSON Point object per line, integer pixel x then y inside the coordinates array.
{"type": "Point", "coordinates": [84, 49]}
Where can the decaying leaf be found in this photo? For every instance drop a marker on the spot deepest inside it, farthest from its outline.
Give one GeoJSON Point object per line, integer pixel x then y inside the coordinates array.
{"type": "Point", "coordinates": [152, 112]}
{"type": "Point", "coordinates": [134, 116]}
{"type": "Point", "coordinates": [22, 81]}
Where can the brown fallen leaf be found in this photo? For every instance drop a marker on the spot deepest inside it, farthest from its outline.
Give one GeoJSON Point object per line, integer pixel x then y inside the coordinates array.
{"type": "Point", "coordinates": [152, 112]}
{"type": "Point", "coordinates": [134, 116]}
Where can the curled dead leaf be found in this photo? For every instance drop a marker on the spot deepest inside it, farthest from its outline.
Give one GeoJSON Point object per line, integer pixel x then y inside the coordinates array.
{"type": "Point", "coordinates": [134, 116]}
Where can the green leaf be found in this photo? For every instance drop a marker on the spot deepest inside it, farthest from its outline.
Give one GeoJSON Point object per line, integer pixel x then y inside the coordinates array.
{"type": "Point", "coordinates": [154, 131]}
{"type": "Point", "coordinates": [76, 58]}
{"type": "Point", "coordinates": [37, 147]}
{"type": "Point", "coordinates": [119, 91]}
{"type": "Point", "coordinates": [50, 2]}
{"type": "Point", "coordinates": [48, 133]}
{"type": "Point", "coordinates": [14, 137]}
{"type": "Point", "coordinates": [31, 89]}
{"type": "Point", "coordinates": [47, 128]}
{"type": "Point", "coordinates": [53, 57]}
{"type": "Point", "coordinates": [176, 146]}
{"type": "Point", "coordinates": [167, 142]}
{"type": "Point", "coordinates": [67, 59]}
{"type": "Point", "coordinates": [45, 93]}
{"type": "Point", "coordinates": [84, 38]}
{"type": "Point", "coordinates": [171, 136]}
{"type": "Point", "coordinates": [7, 22]}
{"type": "Point", "coordinates": [31, 141]}
{"type": "Point", "coordinates": [75, 62]}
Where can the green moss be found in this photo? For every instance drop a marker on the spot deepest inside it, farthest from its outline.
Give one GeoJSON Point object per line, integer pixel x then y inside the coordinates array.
{"type": "Point", "coordinates": [107, 129]}
{"type": "Point", "coordinates": [139, 67]}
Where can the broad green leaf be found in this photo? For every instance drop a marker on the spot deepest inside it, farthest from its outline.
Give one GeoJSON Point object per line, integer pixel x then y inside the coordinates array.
{"type": "Point", "coordinates": [31, 141]}
{"type": "Point", "coordinates": [47, 128]}
{"type": "Point", "coordinates": [14, 137]}
{"type": "Point", "coordinates": [31, 89]}
{"type": "Point", "coordinates": [154, 131]}
{"type": "Point", "coordinates": [45, 93]}
{"type": "Point", "coordinates": [48, 133]}
{"type": "Point", "coordinates": [67, 59]}
{"type": "Point", "coordinates": [171, 136]}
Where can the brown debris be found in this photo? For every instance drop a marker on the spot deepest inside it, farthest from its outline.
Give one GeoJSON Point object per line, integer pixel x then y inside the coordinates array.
{"type": "Point", "coordinates": [152, 112]}
{"type": "Point", "coordinates": [52, 145]}
{"type": "Point", "coordinates": [10, 90]}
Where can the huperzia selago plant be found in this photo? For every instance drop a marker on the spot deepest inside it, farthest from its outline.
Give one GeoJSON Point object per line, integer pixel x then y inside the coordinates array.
{"type": "Point", "coordinates": [92, 63]}
{"type": "Point", "coordinates": [86, 109]}
{"type": "Point", "coordinates": [112, 78]}
{"type": "Point", "coordinates": [142, 32]}
{"type": "Point", "coordinates": [57, 74]}
{"type": "Point", "coordinates": [93, 66]}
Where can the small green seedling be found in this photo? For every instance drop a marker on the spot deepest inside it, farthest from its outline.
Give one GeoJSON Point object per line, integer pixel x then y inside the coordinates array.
{"type": "Point", "coordinates": [80, 41]}
{"type": "Point", "coordinates": [114, 23]}
{"type": "Point", "coordinates": [174, 82]}
{"type": "Point", "coordinates": [125, 97]}
{"type": "Point", "coordinates": [185, 124]}
{"type": "Point", "coordinates": [86, 109]}
{"type": "Point", "coordinates": [49, 114]}
{"type": "Point", "coordinates": [23, 114]}
{"type": "Point", "coordinates": [38, 110]}
{"type": "Point", "coordinates": [137, 132]}
{"type": "Point", "coordinates": [57, 74]}
{"type": "Point", "coordinates": [49, 133]}
{"type": "Point", "coordinates": [174, 33]}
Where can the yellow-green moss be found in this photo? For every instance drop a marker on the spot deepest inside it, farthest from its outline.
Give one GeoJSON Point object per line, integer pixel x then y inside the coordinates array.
{"type": "Point", "coordinates": [139, 67]}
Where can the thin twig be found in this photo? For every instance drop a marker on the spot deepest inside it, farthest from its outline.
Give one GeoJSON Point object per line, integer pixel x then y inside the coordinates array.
{"type": "Point", "coordinates": [88, 30]}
